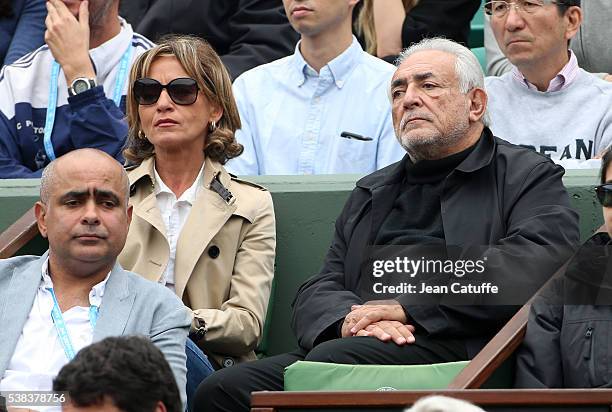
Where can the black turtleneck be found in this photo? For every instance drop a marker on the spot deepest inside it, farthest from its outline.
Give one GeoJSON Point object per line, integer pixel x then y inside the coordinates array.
{"type": "Point", "coordinates": [416, 217]}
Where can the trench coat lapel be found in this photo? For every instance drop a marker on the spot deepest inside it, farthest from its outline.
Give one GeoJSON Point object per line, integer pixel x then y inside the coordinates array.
{"type": "Point", "coordinates": [148, 211]}
{"type": "Point", "coordinates": [207, 216]}
{"type": "Point", "coordinates": [147, 208]}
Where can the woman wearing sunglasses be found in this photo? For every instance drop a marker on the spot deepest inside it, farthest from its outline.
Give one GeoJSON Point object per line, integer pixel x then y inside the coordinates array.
{"type": "Point", "coordinates": [206, 235]}
{"type": "Point", "coordinates": [568, 343]}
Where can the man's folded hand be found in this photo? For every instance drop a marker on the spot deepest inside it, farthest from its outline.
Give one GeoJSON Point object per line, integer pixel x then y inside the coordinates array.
{"type": "Point", "coordinates": [386, 330]}
{"type": "Point", "coordinates": [369, 313]}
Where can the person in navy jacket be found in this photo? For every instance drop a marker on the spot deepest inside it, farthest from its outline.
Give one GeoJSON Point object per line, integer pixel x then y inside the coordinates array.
{"type": "Point", "coordinates": [69, 93]}
{"type": "Point", "coordinates": [22, 28]}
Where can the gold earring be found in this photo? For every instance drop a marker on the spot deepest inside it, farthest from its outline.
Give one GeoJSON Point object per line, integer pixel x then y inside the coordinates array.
{"type": "Point", "coordinates": [212, 127]}
{"type": "Point", "coordinates": [141, 135]}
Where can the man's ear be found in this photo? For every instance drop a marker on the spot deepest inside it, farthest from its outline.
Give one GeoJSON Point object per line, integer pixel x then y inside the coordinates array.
{"type": "Point", "coordinates": [40, 211]}
{"type": "Point", "coordinates": [160, 407]}
{"type": "Point", "coordinates": [130, 209]}
{"type": "Point", "coordinates": [478, 104]}
{"type": "Point", "coordinates": [573, 17]}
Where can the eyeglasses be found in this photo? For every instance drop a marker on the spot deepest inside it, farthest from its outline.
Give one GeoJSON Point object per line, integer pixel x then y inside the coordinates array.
{"type": "Point", "coordinates": [183, 91]}
{"type": "Point", "coordinates": [499, 9]}
{"type": "Point", "coordinates": [604, 194]}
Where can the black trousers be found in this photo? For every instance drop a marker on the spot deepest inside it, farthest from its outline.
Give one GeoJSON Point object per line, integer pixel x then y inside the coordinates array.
{"type": "Point", "coordinates": [230, 389]}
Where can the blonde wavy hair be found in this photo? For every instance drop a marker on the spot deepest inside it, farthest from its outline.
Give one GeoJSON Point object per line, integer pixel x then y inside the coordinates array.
{"type": "Point", "coordinates": [365, 23]}
{"type": "Point", "coordinates": [203, 64]}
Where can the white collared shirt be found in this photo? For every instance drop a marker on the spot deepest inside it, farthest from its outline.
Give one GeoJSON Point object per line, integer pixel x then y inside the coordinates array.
{"type": "Point", "coordinates": [174, 214]}
{"type": "Point", "coordinates": [39, 355]}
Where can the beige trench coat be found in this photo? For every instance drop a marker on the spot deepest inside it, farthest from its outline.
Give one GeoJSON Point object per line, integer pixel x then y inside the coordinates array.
{"type": "Point", "coordinates": [224, 260]}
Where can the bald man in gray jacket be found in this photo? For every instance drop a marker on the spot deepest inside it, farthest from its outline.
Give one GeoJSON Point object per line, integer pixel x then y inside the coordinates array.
{"type": "Point", "coordinates": [75, 294]}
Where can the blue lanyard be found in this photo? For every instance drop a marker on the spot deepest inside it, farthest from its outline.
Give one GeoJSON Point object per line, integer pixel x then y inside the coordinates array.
{"type": "Point", "coordinates": [60, 325]}
{"type": "Point", "coordinates": [52, 102]}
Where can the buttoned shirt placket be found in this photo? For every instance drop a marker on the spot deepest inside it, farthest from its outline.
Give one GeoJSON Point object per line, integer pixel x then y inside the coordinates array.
{"type": "Point", "coordinates": [312, 130]}
{"type": "Point", "coordinates": [174, 215]}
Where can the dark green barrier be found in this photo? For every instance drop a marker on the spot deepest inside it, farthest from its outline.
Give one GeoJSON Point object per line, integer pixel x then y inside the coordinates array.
{"type": "Point", "coordinates": [306, 208]}
{"type": "Point", "coordinates": [476, 38]}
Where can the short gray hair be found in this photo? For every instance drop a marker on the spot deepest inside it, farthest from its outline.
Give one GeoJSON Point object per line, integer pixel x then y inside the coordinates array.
{"type": "Point", "coordinates": [467, 68]}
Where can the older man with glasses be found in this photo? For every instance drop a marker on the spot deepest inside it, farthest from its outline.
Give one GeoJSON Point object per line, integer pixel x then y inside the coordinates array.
{"type": "Point", "coordinates": [590, 44]}
{"type": "Point", "coordinates": [536, 104]}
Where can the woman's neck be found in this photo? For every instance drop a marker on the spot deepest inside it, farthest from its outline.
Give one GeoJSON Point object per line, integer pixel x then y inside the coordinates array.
{"type": "Point", "coordinates": [178, 171]}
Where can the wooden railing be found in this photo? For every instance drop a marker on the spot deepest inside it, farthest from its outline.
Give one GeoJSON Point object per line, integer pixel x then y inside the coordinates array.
{"type": "Point", "coordinates": [500, 348]}
{"type": "Point", "coordinates": [18, 234]}
{"type": "Point", "coordinates": [514, 399]}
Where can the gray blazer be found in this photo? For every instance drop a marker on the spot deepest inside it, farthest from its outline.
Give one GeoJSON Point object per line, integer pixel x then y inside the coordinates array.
{"type": "Point", "coordinates": [131, 305]}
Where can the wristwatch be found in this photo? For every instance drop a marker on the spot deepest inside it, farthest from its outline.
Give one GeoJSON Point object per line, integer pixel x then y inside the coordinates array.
{"type": "Point", "coordinates": [81, 84]}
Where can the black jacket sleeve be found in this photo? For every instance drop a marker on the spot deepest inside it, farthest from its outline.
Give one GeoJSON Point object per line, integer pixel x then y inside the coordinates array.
{"type": "Point", "coordinates": [538, 362]}
{"type": "Point", "coordinates": [245, 33]}
{"type": "Point", "coordinates": [258, 32]}
{"type": "Point", "coordinates": [435, 18]}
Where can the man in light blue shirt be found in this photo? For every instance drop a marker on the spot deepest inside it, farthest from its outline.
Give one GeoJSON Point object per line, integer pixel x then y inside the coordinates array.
{"type": "Point", "coordinates": [323, 109]}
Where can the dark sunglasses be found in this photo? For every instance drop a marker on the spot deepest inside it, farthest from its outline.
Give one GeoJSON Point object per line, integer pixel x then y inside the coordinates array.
{"type": "Point", "coordinates": [604, 194]}
{"type": "Point", "coordinates": [182, 91]}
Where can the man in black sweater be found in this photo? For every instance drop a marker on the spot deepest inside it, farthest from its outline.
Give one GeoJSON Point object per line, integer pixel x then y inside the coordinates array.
{"type": "Point", "coordinates": [458, 185]}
